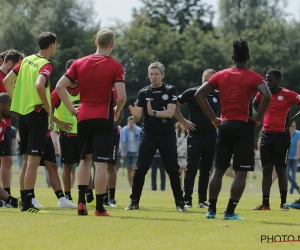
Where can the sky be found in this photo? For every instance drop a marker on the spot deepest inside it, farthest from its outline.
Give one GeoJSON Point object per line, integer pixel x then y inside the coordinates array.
{"type": "Point", "coordinates": [110, 10]}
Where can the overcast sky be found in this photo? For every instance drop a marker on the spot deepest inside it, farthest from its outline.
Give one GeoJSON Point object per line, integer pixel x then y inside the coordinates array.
{"type": "Point", "coordinates": [109, 10]}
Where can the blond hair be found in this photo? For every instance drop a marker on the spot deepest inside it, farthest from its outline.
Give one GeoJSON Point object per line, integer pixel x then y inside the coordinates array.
{"type": "Point", "coordinates": [105, 37]}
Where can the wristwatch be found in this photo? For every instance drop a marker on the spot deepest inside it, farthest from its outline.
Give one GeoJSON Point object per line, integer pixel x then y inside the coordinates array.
{"type": "Point", "coordinates": [154, 113]}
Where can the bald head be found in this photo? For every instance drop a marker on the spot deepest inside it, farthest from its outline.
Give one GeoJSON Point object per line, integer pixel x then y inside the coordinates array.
{"type": "Point", "coordinates": [207, 74]}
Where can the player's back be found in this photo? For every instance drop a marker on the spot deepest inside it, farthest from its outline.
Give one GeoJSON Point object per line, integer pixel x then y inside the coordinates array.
{"type": "Point", "coordinates": [237, 87]}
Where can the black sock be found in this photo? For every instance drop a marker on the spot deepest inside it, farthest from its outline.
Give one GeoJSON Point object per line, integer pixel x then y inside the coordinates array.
{"type": "Point", "coordinates": [266, 200]}
{"type": "Point", "coordinates": [33, 194]}
{"type": "Point", "coordinates": [28, 195]}
{"type": "Point", "coordinates": [99, 202]}
{"type": "Point", "coordinates": [105, 198]}
{"type": "Point", "coordinates": [7, 190]}
{"type": "Point", "coordinates": [212, 204]}
{"type": "Point", "coordinates": [68, 195]}
{"type": "Point", "coordinates": [89, 195]}
{"type": "Point", "coordinates": [81, 193]}
{"type": "Point", "coordinates": [22, 193]}
{"type": "Point", "coordinates": [12, 201]}
{"type": "Point", "coordinates": [283, 197]}
{"type": "Point", "coordinates": [59, 194]}
{"type": "Point", "coordinates": [111, 193]}
{"type": "Point", "coordinates": [231, 206]}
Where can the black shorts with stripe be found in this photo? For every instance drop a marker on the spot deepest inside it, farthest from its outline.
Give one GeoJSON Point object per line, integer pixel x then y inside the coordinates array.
{"type": "Point", "coordinates": [95, 136]}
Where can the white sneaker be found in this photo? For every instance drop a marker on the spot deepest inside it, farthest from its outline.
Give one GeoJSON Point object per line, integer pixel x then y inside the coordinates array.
{"type": "Point", "coordinates": [35, 202]}
{"type": "Point", "coordinates": [64, 203]}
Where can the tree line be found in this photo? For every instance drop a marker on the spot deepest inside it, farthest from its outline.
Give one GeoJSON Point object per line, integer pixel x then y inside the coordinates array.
{"type": "Point", "coordinates": [179, 33]}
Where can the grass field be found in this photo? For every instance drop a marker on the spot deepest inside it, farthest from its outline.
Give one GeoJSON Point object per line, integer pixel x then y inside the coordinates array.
{"type": "Point", "coordinates": [157, 225]}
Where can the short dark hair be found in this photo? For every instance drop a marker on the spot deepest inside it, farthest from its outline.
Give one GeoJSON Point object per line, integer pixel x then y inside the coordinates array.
{"type": "Point", "coordinates": [240, 50]}
{"type": "Point", "coordinates": [4, 98]}
{"type": "Point", "coordinates": [3, 53]}
{"type": "Point", "coordinates": [13, 55]}
{"type": "Point", "coordinates": [275, 72]}
{"type": "Point", "coordinates": [69, 63]}
{"type": "Point", "coordinates": [46, 39]}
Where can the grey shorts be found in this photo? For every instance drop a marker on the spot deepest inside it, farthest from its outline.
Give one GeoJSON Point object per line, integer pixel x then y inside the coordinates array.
{"type": "Point", "coordinates": [130, 159]}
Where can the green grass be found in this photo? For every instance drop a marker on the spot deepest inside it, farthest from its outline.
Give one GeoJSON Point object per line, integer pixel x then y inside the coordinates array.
{"type": "Point", "coordinates": [157, 225]}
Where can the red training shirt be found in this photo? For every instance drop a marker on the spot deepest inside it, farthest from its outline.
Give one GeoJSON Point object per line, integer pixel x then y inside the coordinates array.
{"type": "Point", "coordinates": [3, 90]}
{"type": "Point", "coordinates": [55, 99]}
{"type": "Point", "coordinates": [96, 76]}
{"type": "Point", "coordinates": [237, 87]}
{"type": "Point", "coordinates": [277, 115]}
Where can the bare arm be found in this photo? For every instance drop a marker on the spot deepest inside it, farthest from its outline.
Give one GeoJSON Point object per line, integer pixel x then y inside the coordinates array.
{"type": "Point", "coordinates": [136, 111]}
{"type": "Point", "coordinates": [120, 87]}
{"type": "Point", "coordinates": [298, 150]}
{"type": "Point", "coordinates": [265, 100]}
{"type": "Point", "coordinates": [200, 96]}
{"type": "Point", "coordinates": [41, 90]}
{"type": "Point", "coordinates": [121, 117]}
{"type": "Point", "coordinates": [8, 82]}
{"type": "Point", "coordinates": [61, 88]}
{"type": "Point", "coordinates": [180, 118]}
{"type": "Point", "coordinates": [169, 113]}
{"type": "Point", "coordinates": [62, 125]}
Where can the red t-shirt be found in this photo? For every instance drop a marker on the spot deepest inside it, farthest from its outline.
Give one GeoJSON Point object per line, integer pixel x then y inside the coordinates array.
{"type": "Point", "coordinates": [2, 87]}
{"type": "Point", "coordinates": [55, 99]}
{"type": "Point", "coordinates": [3, 90]}
{"type": "Point", "coordinates": [96, 76]}
{"type": "Point", "coordinates": [237, 87]}
{"type": "Point", "coordinates": [45, 70]}
{"type": "Point", "coordinates": [3, 127]}
{"type": "Point", "coordinates": [277, 115]}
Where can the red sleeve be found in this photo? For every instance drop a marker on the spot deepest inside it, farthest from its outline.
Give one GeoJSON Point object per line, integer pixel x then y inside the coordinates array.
{"type": "Point", "coordinates": [120, 74]}
{"type": "Point", "coordinates": [46, 71]}
{"type": "Point", "coordinates": [72, 72]}
{"type": "Point", "coordinates": [295, 98]}
{"type": "Point", "coordinates": [213, 80]}
{"type": "Point", "coordinates": [55, 99]}
{"type": "Point", "coordinates": [258, 97]}
{"type": "Point", "coordinates": [115, 93]}
{"type": "Point", "coordinates": [16, 69]}
{"type": "Point", "coordinates": [258, 80]}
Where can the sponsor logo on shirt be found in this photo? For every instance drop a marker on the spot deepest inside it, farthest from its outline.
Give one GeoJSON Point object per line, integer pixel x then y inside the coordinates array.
{"type": "Point", "coordinates": [245, 166]}
{"type": "Point", "coordinates": [156, 92]}
{"type": "Point", "coordinates": [215, 100]}
{"type": "Point", "coordinates": [149, 99]}
{"type": "Point", "coordinates": [180, 96]}
{"type": "Point", "coordinates": [280, 97]}
{"type": "Point", "coordinates": [165, 97]}
{"type": "Point", "coordinates": [174, 98]}
{"type": "Point", "coordinates": [46, 72]}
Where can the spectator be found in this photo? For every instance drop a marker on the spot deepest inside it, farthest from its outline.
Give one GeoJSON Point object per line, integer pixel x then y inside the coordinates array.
{"type": "Point", "coordinates": [155, 164]}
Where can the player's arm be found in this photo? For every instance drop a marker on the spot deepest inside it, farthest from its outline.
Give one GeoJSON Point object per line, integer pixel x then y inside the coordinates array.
{"type": "Point", "coordinates": [61, 88]}
{"type": "Point", "coordinates": [180, 118]}
{"type": "Point", "coordinates": [264, 102]}
{"type": "Point", "coordinates": [255, 104]}
{"type": "Point", "coordinates": [41, 90]}
{"type": "Point", "coordinates": [201, 94]}
{"type": "Point", "coordinates": [136, 112]}
{"type": "Point", "coordinates": [8, 81]}
{"type": "Point", "coordinates": [121, 117]}
{"type": "Point", "coordinates": [168, 113]}
{"type": "Point", "coordinates": [298, 150]}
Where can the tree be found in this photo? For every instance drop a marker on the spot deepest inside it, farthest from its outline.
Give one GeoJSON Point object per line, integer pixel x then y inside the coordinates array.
{"type": "Point", "coordinates": [72, 21]}
{"type": "Point", "coordinates": [177, 13]}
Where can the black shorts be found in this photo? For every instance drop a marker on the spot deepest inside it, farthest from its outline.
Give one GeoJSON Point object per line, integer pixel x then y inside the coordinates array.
{"type": "Point", "coordinates": [33, 129]}
{"type": "Point", "coordinates": [274, 148]}
{"type": "Point", "coordinates": [235, 138]}
{"type": "Point", "coordinates": [6, 144]}
{"type": "Point", "coordinates": [69, 148]}
{"type": "Point", "coordinates": [49, 153]}
{"type": "Point", "coordinates": [115, 148]}
{"type": "Point", "coordinates": [95, 136]}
